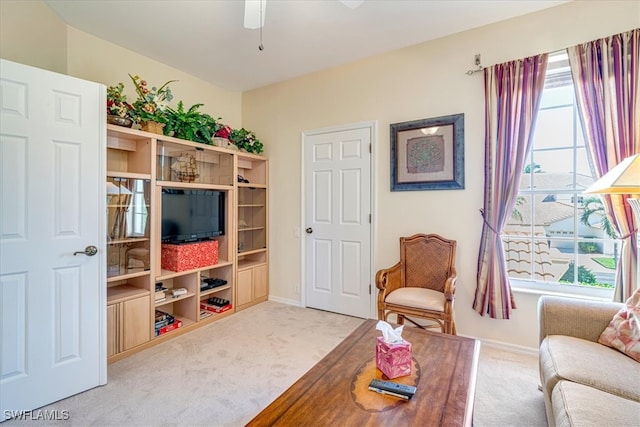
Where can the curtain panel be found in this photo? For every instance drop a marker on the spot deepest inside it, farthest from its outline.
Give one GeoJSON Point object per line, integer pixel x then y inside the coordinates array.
{"type": "Point", "coordinates": [512, 99]}
{"type": "Point", "coordinates": [607, 87]}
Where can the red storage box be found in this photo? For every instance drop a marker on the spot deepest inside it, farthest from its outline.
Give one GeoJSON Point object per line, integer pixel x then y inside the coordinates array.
{"type": "Point", "coordinates": [394, 360]}
{"type": "Point", "coordinates": [188, 256]}
{"type": "Point", "coordinates": [215, 308]}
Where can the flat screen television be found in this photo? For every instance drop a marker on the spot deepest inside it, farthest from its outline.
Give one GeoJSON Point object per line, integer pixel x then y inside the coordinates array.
{"type": "Point", "coordinates": [192, 215]}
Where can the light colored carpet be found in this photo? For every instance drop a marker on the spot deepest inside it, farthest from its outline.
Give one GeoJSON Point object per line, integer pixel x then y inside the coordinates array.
{"type": "Point", "coordinates": [507, 392]}
{"type": "Point", "coordinates": [223, 374]}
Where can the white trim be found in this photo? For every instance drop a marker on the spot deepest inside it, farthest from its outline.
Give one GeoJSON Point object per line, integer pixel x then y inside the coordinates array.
{"type": "Point", "coordinates": [285, 301]}
{"type": "Point", "coordinates": [500, 345]}
{"type": "Point", "coordinates": [102, 221]}
{"type": "Point", "coordinates": [340, 128]}
{"type": "Point", "coordinates": [374, 190]}
{"type": "Point", "coordinates": [372, 125]}
{"type": "Point", "coordinates": [564, 290]}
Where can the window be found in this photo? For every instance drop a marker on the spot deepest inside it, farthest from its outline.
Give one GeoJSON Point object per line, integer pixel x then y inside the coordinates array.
{"type": "Point", "coordinates": [138, 209]}
{"type": "Point", "coordinates": [558, 238]}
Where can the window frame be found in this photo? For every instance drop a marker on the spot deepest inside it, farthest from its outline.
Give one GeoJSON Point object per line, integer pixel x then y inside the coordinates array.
{"type": "Point", "coordinates": [533, 285]}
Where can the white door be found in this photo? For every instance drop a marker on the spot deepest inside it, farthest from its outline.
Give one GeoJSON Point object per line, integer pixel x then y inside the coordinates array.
{"type": "Point", "coordinates": [337, 194]}
{"type": "Point", "coordinates": [52, 324]}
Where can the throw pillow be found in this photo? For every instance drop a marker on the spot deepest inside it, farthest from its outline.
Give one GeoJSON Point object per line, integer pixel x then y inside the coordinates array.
{"type": "Point", "coordinates": [623, 332]}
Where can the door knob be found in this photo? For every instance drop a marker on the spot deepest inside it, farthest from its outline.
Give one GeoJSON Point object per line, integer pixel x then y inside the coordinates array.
{"type": "Point", "coordinates": [309, 230]}
{"type": "Point", "coordinates": [88, 251]}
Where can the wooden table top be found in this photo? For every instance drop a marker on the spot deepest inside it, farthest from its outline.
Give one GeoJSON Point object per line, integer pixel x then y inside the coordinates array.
{"type": "Point", "coordinates": [334, 392]}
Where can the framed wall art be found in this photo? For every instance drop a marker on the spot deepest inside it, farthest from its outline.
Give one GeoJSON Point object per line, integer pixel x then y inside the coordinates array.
{"type": "Point", "coordinates": [428, 154]}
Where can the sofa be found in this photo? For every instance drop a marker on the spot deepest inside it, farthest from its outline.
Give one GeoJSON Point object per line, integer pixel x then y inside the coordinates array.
{"type": "Point", "coordinates": [584, 383]}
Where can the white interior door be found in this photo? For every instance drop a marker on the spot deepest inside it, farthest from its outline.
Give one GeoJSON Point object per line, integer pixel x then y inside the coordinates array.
{"type": "Point", "coordinates": [337, 186]}
{"type": "Point", "coordinates": [52, 324]}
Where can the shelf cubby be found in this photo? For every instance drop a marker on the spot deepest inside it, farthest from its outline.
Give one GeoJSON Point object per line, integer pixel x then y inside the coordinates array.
{"type": "Point", "coordinates": [192, 163]}
{"type": "Point", "coordinates": [252, 219]}
{"type": "Point", "coordinates": [128, 151]}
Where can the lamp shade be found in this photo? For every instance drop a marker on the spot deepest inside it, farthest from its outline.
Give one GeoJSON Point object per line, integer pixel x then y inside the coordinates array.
{"type": "Point", "coordinates": [622, 179]}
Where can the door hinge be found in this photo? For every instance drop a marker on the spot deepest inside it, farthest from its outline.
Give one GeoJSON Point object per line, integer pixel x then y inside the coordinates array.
{"type": "Point", "coordinates": [369, 288]}
{"type": "Point", "coordinates": [369, 148]}
{"type": "Point", "coordinates": [369, 218]}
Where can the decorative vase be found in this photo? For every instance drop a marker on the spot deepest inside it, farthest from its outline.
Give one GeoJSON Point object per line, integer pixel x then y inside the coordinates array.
{"type": "Point", "coordinates": [153, 127]}
{"type": "Point", "coordinates": [223, 142]}
{"type": "Point", "coordinates": [120, 121]}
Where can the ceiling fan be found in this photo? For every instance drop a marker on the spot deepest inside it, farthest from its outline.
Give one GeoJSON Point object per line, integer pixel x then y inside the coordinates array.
{"type": "Point", "coordinates": [254, 11]}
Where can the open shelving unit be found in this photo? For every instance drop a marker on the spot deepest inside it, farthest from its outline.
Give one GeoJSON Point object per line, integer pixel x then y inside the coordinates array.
{"type": "Point", "coordinates": [252, 210]}
{"type": "Point", "coordinates": [139, 166]}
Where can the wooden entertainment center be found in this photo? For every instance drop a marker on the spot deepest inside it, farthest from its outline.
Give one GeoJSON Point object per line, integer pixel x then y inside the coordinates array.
{"type": "Point", "coordinates": [140, 165]}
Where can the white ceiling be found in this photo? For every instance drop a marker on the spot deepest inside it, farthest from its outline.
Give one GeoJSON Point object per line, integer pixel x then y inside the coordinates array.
{"type": "Point", "coordinates": [207, 39]}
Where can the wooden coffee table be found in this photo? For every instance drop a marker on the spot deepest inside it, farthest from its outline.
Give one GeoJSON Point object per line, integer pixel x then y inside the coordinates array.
{"type": "Point", "coordinates": [335, 391]}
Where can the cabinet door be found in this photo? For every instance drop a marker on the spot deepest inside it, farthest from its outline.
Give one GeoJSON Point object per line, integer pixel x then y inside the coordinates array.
{"type": "Point", "coordinates": [135, 322]}
{"type": "Point", "coordinates": [112, 330]}
{"type": "Point", "coordinates": [244, 287]}
{"type": "Point", "coordinates": [260, 287]}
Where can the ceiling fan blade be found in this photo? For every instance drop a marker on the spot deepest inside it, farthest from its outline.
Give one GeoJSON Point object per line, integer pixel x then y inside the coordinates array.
{"type": "Point", "coordinates": [254, 12]}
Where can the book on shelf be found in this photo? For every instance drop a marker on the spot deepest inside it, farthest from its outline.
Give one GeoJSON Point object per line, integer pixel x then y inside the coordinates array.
{"type": "Point", "coordinates": [170, 327]}
{"type": "Point", "coordinates": [163, 319]}
{"type": "Point", "coordinates": [205, 313]}
{"type": "Point", "coordinates": [161, 315]}
{"type": "Point", "coordinates": [215, 308]}
{"type": "Point", "coordinates": [164, 322]}
{"type": "Point", "coordinates": [160, 291]}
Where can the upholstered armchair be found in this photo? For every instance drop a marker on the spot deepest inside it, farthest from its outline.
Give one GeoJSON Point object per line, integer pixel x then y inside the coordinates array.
{"type": "Point", "coordinates": [422, 284]}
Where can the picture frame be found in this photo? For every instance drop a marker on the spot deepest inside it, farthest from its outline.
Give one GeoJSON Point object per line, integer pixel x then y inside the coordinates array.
{"type": "Point", "coordinates": [428, 154]}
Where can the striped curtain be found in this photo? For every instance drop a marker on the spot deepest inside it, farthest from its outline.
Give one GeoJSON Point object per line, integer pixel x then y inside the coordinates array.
{"type": "Point", "coordinates": [607, 86]}
{"type": "Point", "coordinates": [512, 97]}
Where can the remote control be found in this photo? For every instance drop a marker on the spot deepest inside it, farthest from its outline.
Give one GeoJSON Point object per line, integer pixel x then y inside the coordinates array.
{"type": "Point", "coordinates": [178, 291]}
{"type": "Point", "coordinates": [390, 388]}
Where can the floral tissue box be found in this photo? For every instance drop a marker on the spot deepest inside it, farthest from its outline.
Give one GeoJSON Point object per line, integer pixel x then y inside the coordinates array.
{"type": "Point", "coordinates": [394, 360]}
{"type": "Point", "coordinates": [189, 256]}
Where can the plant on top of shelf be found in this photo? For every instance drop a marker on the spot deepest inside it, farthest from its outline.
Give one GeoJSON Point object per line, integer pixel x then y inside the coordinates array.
{"type": "Point", "coordinates": [117, 104]}
{"type": "Point", "coordinates": [191, 125]}
{"type": "Point", "coordinates": [152, 104]}
{"type": "Point", "coordinates": [246, 140]}
{"type": "Point", "coordinates": [119, 111]}
{"type": "Point", "coordinates": [223, 131]}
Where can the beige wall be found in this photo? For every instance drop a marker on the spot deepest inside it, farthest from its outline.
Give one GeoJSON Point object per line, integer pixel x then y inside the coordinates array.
{"type": "Point", "coordinates": [32, 34]}
{"type": "Point", "coordinates": [94, 59]}
{"type": "Point", "coordinates": [427, 80]}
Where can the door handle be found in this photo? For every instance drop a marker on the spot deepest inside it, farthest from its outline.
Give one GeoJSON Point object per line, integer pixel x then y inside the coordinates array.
{"type": "Point", "coordinates": [309, 230]}
{"type": "Point", "coordinates": [88, 251]}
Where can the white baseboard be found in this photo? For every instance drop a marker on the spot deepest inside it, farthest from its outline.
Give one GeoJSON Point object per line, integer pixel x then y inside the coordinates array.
{"type": "Point", "coordinates": [514, 348]}
{"type": "Point", "coordinates": [286, 301]}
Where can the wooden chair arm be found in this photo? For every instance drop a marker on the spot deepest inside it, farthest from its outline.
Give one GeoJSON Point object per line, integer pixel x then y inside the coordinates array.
{"type": "Point", "coordinates": [450, 288]}
{"type": "Point", "coordinates": [389, 279]}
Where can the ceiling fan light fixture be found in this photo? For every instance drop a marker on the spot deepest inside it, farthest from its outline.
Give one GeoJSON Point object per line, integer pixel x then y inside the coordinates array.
{"type": "Point", "coordinates": [352, 4]}
{"type": "Point", "coordinates": [254, 12]}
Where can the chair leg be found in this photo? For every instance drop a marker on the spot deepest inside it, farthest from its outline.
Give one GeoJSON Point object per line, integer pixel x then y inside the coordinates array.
{"type": "Point", "coordinates": [450, 327]}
